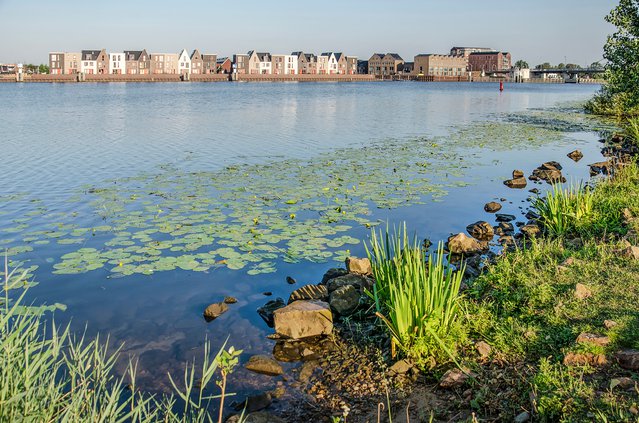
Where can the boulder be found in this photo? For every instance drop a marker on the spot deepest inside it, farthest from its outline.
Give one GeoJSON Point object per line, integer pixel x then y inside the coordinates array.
{"type": "Point", "coordinates": [215, 310]}
{"type": "Point", "coordinates": [360, 266]}
{"type": "Point", "coordinates": [358, 281]}
{"type": "Point", "coordinates": [265, 365]}
{"type": "Point", "coordinates": [290, 280]}
{"type": "Point", "coordinates": [628, 359]}
{"type": "Point", "coordinates": [609, 324]}
{"type": "Point", "coordinates": [401, 367]}
{"type": "Point", "coordinates": [518, 174]}
{"type": "Point", "coordinates": [601, 167]}
{"type": "Point", "coordinates": [576, 155]}
{"type": "Point", "coordinates": [345, 300]}
{"type": "Point", "coordinates": [492, 207]}
{"type": "Point", "coordinates": [504, 217]}
{"type": "Point", "coordinates": [593, 339]}
{"type": "Point", "coordinates": [230, 300]}
{"type": "Point", "coordinates": [583, 359]}
{"type": "Point", "coordinates": [481, 230]}
{"type": "Point", "coordinates": [549, 172]}
{"type": "Point", "coordinates": [461, 244]}
{"type": "Point", "coordinates": [332, 274]}
{"type": "Point", "coordinates": [518, 183]}
{"type": "Point", "coordinates": [582, 292]}
{"type": "Point", "coordinates": [302, 319]}
{"type": "Point", "coordinates": [309, 292]}
{"type": "Point", "coordinates": [266, 311]}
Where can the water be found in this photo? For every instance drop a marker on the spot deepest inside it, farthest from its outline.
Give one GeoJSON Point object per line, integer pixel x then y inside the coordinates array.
{"type": "Point", "coordinates": [61, 142]}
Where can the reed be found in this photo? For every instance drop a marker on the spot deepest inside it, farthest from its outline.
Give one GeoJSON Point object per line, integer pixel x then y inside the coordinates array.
{"type": "Point", "coordinates": [562, 208]}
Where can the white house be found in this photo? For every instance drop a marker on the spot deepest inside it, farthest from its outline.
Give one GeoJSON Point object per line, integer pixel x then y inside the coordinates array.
{"type": "Point", "coordinates": [327, 64]}
{"type": "Point", "coordinates": [117, 63]}
{"type": "Point", "coordinates": [184, 63]}
{"type": "Point", "coordinates": [89, 62]}
{"type": "Point", "coordinates": [284, 64]}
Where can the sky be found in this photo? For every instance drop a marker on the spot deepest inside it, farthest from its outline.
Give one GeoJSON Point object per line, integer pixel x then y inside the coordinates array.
{"type": "Point", "coordinates": [537, 31]}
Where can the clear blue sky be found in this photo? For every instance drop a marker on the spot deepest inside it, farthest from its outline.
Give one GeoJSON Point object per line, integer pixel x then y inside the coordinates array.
{"type": "Point", "coordinates": [534, 30]}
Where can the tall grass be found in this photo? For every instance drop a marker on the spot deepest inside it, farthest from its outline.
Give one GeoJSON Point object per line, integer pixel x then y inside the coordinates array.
{"type": "Point", "coordinates": [417, 299]}
{"type": "Point", "coordinates": [563, 208]}
{"type": "Point", "coordinates": [47, 374]}
{"type": "Point", "coordinates": [632, 129]}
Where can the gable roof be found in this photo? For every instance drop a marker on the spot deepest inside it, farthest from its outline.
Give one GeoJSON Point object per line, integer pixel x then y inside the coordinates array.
{"type": "Point", "coordinates": [264, 57]}
{"type": "Point", "coordinates": [132, 54]}
{"type": "Point", "coordinates": [90, 54]}
{"type": "Point", "coordinates": [196, 53]}
{"type": "Point", "coordinates": [338, 56]}
{"type": "Point", "coordinates": [395, 56]}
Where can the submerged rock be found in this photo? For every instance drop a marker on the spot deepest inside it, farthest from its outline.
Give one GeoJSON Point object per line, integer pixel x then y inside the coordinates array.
{"type": "Point", "coordinates": [549, 172]}
{"type": "Point", "coordinates": [265, 365]}
{"type": "Point", "coordinates": [215, 310]}
{"type": "Point", "coordinates": [254, 403]}
{"type": "Point", "coordinates": [501, 217]}
{"type": "Point", "coordinates": [266, 311]}
{"type": "Point", "coordinates": [360, 266]}
{"type": "Point", "coordinates": [481, 230]}
{"type": "Point", "coordinates": [601, 167]}
{"type": "Point", "coordinates": [290, 280]}
{"type": "Point", "coordinates": [302, 319]}
{"type": "Point", "coordinates": [461, 244]}
{"type": "Point", "coordinates": [309, 292]}
{"type": "Point", "coordinates": [492, 207]}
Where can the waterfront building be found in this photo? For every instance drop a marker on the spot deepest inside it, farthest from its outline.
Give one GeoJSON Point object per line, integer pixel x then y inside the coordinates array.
{"type": "Point", "coordinates": [406, 68]}
{"type": "Point", "coordinates": [157, 63]}
{"type": "Point", "coordinates": [71, 63]}
{"type": "Point", "coordinates": [209, 63]}
{"type": "Point", "coordinates": [56, 63]}
{"type": "Point", "coordinates": [440, 65]}
{"type": "Point", "coordinates": [466, 51]}
{"type": "Point", "coordinates": [184, 63]}
{"type": "Point", "coordinates": [350, 65]}
{"type": "Point", "coordinates": [6, 68]}
{"type": "Point", "coordinates": [489, 61]}
{"type": "Point", "coordinates": [117, 64]}
{"type": "Point", "coordinates": [224, 65]}
{"type": "Point", "coordinates": [306, 62]}
{"type": "Point", "coordinates": [171, 63]}
{"type": "Point", "coordinates": [284, 64]}
{"type": "Point", "coordinates": [384, 64]}
{"type": "Point", "coordinates": [241, 63]}
{"type": "Point", "coordinates": [362, 67]}
{"type": "Point", "coordinates": [137, 62]}
{"type": "Point", "coordinates": [327, 64]}
{"type": "Point", "coordinates": [197, 64]}
{"type": "Point", "coordinates": [94, 62]}
{"type": "Point", "coordinates": [259, 63]}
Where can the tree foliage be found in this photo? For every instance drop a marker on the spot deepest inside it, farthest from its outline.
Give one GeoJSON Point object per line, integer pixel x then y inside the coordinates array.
{"type": "Point", "coordinates": [620, 95]}
{"type": "Point", "coordinates": [521, 64]}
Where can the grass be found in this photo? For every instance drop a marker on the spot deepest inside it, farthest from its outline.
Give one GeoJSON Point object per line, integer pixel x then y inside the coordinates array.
{"type": "Point", "coordinates": [416, 298]}
{"type": "Point", "coordinates": [48, 374]}
{"type": "Point", "coordinates": [562, 209]}
{"type": "Point", "coordinates": [632, 129]}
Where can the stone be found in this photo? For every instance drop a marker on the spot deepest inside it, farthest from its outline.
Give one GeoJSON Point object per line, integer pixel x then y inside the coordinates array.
{"type": "Point", "coordinates": [505, 228]}
{"type": "Point", "coordinates": [551, 165]}
{"type": "Point", "coordinates": [504, 217]}
{"type": "Point", "coordinates": [265, 365]}
{"type": "Point", "coordinates": [215, 310]}
{"type": "Point", "coordinates": [518, 174]}
{"type": "Point", "coordinates": [258, 417]}
{"type": "Point", "coordinates": [583, 359]}
{"type": "Point", "coordinates": [534, 190]}
{"type": "Point", "coordinates": [359, 266]}
{"type": "Point", "coordinates": [530, 231]}
{"type": "Point", "coordinates": [631, 252]}
{"type": "Point", "coordinates": [481, 230]}
{"type": "Point", "coordinates": [332, 274]}
{"type": "Point", "coordinates": [628, 359]}
{"type": "Point", "coordinates": [454, 378]}
{"type": "Point", "coordinates": [531, 215]}
{"type": "Point", "coordinates": [576, 155]}
{"type": "Point", "coordinates": [522, 417]}
{"type": "Point", "coordinates": [609, 324]}
{"type": "Point", "coordinates": [623, 383]}
{"type": "Point", "coordinates": [306, 371]}
{"type": "Point", "coordinates": [492, 207]}
{"type": "Point", "coordinates": [230, 300]}
{"type": "Point", "coordinates": [593, 339]}
{"type": "Point", "coordinates": [401, 367]}
{"type": "Point", "coordinates": [255, 403]}
{"type": "Point", "coordinates": [302, 319]}
{"type": "Point", "coordinates": [290, 280]}
{"type": "Point", "coordinates": [582, 292]}
{"type": "Point", "coordinates": [344, 300]}
{"type": "Point", "coordinates": [601, 167]}
{"type": "Point", "coordinates": [568, 262]}
{"type": "Point", "coordinates": [483, 349]}
{"type": "Point", "coordinates": [359, 281]}
{"type": "Point", "coordinates": [461, 244]}
{"type": "Point", "coordinates": [309, 292]}
{"type": "Point", "coordinates": [549, 172]}
{"type": "Point", "coordinates": [517, 183]}
{"type": "Point", "coordinates": [506, 240]}
{"type": "Point", "coordinates": [266, 311]}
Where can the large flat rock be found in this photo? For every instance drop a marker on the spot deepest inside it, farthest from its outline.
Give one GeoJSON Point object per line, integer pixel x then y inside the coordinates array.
{"type": "Point", "coordinates": [302, 319]}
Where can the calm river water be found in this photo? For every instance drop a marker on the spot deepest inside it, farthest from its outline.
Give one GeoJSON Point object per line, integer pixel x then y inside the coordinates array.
{"type": "Point", "coordinates": [97, 180]}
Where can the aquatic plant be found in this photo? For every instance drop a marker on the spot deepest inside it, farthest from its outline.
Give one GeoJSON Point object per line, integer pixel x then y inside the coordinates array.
{"type": "Point", "coordinates": [562, 208]}
{"type": "Point", "coordinates": [416, 298]}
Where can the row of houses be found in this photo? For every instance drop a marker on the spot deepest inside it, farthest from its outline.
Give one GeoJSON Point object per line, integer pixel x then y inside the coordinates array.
{"type": "Point", "coordinates": [139, 62]}
{"type": "Point", "coordinates": [458, 63]}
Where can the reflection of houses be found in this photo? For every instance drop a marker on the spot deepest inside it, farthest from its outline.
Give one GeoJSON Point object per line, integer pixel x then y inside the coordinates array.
{"type": "Point", "coordinates": [439, 65]}
{"type": "Point", "coordinates": [489, 61]}
{"type": "Point", "coordinates": [197, 64]}
{"type": "Point", "coordinates": [184, 63]}
{"type": "Point", "coordinates": [209, 63]}
{"type": "Point", "coordinates": [384, 64]}
{"type": "Point", "coordinates": [117, 63]}
{"type": "Point", "coordinates": [138, 62]}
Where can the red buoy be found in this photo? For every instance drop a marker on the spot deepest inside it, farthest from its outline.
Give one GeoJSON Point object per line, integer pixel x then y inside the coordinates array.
{"type": "Point", "coordinates": [501, 85]}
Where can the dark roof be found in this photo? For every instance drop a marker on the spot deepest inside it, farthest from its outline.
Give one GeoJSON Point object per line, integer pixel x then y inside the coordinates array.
{"type": "Point", "coordinates": [222, 59]}
{"type": "Point", "coordinates": [310, 56]}
{"type": "Point", "coordinates": [396, 56]}
{"type": "Point", "coordinates": [264, 57]}
{"type": "Point", "coordinates": [193, 54]}
{"type": "Point", "coordinates": [478, 53]}
{"type": "Point", "coordinates": [296, 53]}
{"type": "Point", "coordinates": [132, 54]}
{"type": "Point", "coordinates": [338, 56]}
{"type": "Point", "coordinates": [90, 54]}
{"type": "Point", "coordinates": [482, 48]}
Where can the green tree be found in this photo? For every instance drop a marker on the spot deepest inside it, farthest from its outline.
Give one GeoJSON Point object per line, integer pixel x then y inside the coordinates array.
{"type": "Point", "coordinates": [620, 96]}
{"type": "Point", "coordinates": [43, 69]}
{"type": "Point", "coordinates": [545, 65]}
{"type": "Point", "coordinates": [521, 64]}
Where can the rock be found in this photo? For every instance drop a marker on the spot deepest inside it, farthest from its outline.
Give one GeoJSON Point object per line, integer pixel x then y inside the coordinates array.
{"type": "Point", "coordinates": [522, 417]}
{"type": "Point", "coordinates": [309, 292]}
{"type": "Point", "coordinates": [454, 378]}
{"type": "Point", "coordinates": [518, 174]}
{"type": "Point", "coordinates": [358, 281]}
{"type": "Point", "coordinates": [483, 349]}
{"type": "Point", "coordinates": [289, 351]}
{"type": "Point", "coordinates": [551, 165]}
{"type": "Point", "coordinates": [258, 417]}
{"type": "Point", "coordinates": [516, 183]}
{"type": "Point", "coordinates": [576, 155]}
{"type": "Point", "coordinates": [290, 280]}
{"type": "Point", "coordinates": [302, 319]}
{"type": "Point", "coordinates": [306, 371]}
{"type": "Point", "coordinates": [266, 311]}
{"type": "Point", "coordinates": [530, 231]}
{"type": "Point", "coordinates": [401, 367]}
{"type": "Point", "coordinates": [583, 359]}
{"type": "Point", "coordinates": [601, 167]}
{"type": "Point", "coordinates": [593, 339]}
{"type": "Point", "coordinates": [504, 217]}
{"type": "Point", "coordinates": [230, 300]}
{"type": "Point", "coordinates": [609, 324]}
{"type": "Point", "coordinates": [492, 207]}
{"type": "Point", "coordinates": [631, 252]}
{"type": "Point", "coordinates": [549, 172]}
{"type": "Point", "coordinates": [255, 403]}
{"type": "Point", "coordinates": [265, 365]}
{"type": "Point", "coordinates": [504, 228]}
{"type": "Point", "coordinates": [531, 215]}
{"type": "Point", "coordinates": [359, 266]}
{"type": "Point", "coordinates": [506, 240]}
{"type": "Point", "coordinates": [332, 274]}
{"type": "Point", "coordinates": [623, 383]}
{"type": "Point", "coordinates": [345, 300]}
{"type": "Point", "coordinates": [628, 359]}
{"type": "Point", "coordinates": [568, 262]}
{"type": "Point", "coordinates": [582, 292]}
{"type": "Point", "coordinates": [481, 230]}
{"type": "Point", "coordinates": [215, 310]}
{"type": "Point", "coordinates": [461, 244]}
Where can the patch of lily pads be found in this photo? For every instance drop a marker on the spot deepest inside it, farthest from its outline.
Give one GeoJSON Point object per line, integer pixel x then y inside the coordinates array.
{"type": "Point", "coordinates": [250, 217]}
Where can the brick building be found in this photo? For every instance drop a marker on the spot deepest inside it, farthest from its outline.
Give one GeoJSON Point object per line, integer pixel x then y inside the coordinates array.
{"type": "Point", "coordinates": [439, 65]}
{"type": "Point", "coordinates": [489, 61]}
